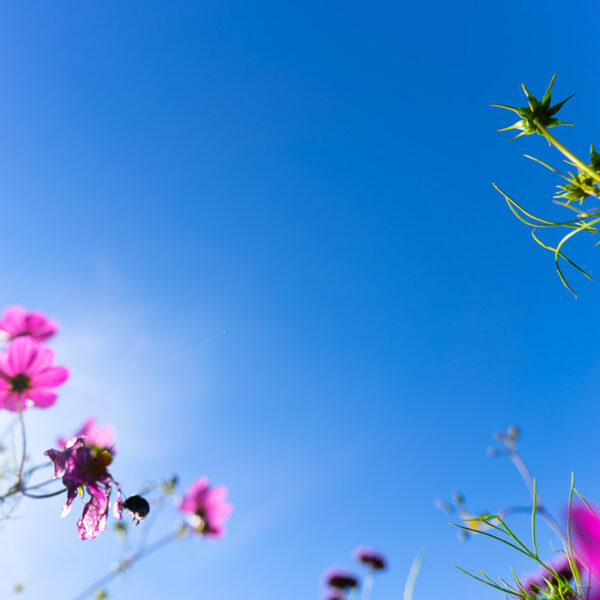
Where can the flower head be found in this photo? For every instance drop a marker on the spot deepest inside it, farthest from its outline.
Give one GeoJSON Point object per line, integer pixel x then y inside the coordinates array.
{"type": "Point", "coordinates": [17, 322]}
{"type": "Point", "coordinates": [539, 112]}
{"type": "Point", "coordinates": [340, 579]}
{"type": "Point", "coordinates": [83, 467]}
{"type": "Point", "coordinates": [101, 436]}
{"type": "Point", "coordinates": [374, 560]}
{"type": "Point", "coordinates": [540, 582]}
{"type": "Point", "coordinates": [27, 375]}
{"type": "Point", "coordinates": [206, 507]}
{"type": "Point", "coordinates": [586, 531]}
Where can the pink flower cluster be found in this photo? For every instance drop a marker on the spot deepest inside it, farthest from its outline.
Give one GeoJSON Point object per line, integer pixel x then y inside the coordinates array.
{"type": "Point", "coordinates": [27, 372]}
{"type": "Point", "coordinates": [28, 378]}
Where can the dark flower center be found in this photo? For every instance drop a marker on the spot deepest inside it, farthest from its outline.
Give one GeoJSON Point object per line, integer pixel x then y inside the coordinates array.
{"type": "Point", "coordinates": [19, 383]}
{"type": "Point", "coordinates": [95, 467]}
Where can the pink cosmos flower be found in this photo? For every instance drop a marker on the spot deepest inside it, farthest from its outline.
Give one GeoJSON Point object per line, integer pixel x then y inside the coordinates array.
{"type": "Point", "coordinates": [103, 436]}
{"type": "Point", "coordinates": [27, 375]}
{"type": "Point", "coordinates": [585, 525]}
{"type": "Point", "coordinates": [367, 556]}
{"type": "Point", "coordinates": [206, 507]}
{"type": "Point", "coordinates": [84, 466]}
{"type": "Point", "coordinates": [17, 322]}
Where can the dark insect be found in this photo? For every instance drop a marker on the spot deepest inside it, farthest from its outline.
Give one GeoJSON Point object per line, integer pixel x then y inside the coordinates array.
{"type": "Point", "coordinates": [138, 506]}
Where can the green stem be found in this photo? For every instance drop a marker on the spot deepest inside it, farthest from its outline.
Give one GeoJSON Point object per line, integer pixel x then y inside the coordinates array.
{"type": "Point", "coordinates": [552, 140]}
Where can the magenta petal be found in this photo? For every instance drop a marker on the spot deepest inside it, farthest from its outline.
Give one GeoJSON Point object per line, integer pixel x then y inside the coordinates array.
{"type": "Point", "coordinates": [21, 352]}
{"type": "Point", "coordinates": [93, 519]}
{"type": "Point", "coordinates": [13, 403]}
{"type": "Point", "coordinates": [50, 377]}
{"type": "Point", "coordinates": [44, 358]}
{"type": "Point", "coordinates": [42, 397]}
{"type": "Point", "coordinates": [586, 527]}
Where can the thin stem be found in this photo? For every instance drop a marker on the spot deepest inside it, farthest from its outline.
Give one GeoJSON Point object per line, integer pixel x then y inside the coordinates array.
{"type": "Point", "coordinates": [23, 443]}
{"type": "Point", "coordinates": [367, 587]}
{"type": "Point", "coordinates": [415, 568]}
{"type": "Point", "coordinates": [128, 562]}
{"type": "Point", "coordinates": [526, 476]}
{"type": "Point", "coordinates": [50, 495]}
{"type": "Point", "coordinates": [567, 152]}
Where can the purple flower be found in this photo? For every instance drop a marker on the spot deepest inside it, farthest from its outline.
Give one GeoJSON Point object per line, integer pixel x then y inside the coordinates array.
{"type": "Point", "coordinates": [537, 582]}
{"type": "Point", "coordinates": [17, 322]}
{"type": "Point", "coordinates": [340, 579]}
{"type": "Point", "coordinates": [103, 437]}
{"type": "Point", "coordinates": [206, 507]}
{"type": "Point", "coordinates": [83, 466]}
{"type": "Point", "coordinates": [374, 560]}
{"type": "Point", "coordinates": [27, 375]}
{"type": "Point", "coordinates": [334, 595]}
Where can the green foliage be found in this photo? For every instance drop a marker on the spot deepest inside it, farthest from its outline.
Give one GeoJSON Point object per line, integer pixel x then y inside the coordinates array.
{"type": "Point", "coordinates": [538, 117]}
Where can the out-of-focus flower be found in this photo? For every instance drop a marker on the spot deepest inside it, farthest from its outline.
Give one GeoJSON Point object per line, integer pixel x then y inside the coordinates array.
{"type": "Point", "coordinates": [206, 507]}
{"type": "Point", "coordinates": [340, 579]}
{"type": "Point", "coordinates": [374, 560]}
{"type": "Point", "coordinates": [83, 467]}
{"type": "Point", "coordinates": [27, 375]}
{"type": "Point", "coordinates": [101, 436]}
{"type": "Point", "coordinates": [17, 322]}
{"type": "Point", "coordinates": [539, 582]}
{"type": "Point", "coordinates": [585, 525]}
{"type": "Point", "coordinates": [334, 595]}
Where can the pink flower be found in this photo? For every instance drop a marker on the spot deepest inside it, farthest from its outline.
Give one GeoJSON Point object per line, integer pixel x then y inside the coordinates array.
{"type": "Point", "coordinates": [103, 437]}
{"type": "Point", "coordinates": [374, 560]}
{"type": "Point", "coordinates": [17, 322]}
{"type": "Point", "coordinates": [585, 525]}
{"type": "Point", "coordinates": [84, 466]}
{"type": "Point", "coordinates": [27, 375]}
{"type": "Point", "coordinates": [207, 507]}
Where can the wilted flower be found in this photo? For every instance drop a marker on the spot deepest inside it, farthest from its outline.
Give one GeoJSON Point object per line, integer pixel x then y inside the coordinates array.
{"type": "Point", "coordinates": [103, 436]}
{"type": "Point", "coordinates": [27, 375]}
{"type": "Point", "coordinates": [206, 507]}
{"type": "Point", "coordinates": [340, 579]}
{"type": "Point", "coordinates": [17, 322]}
{"type": "Point", "coordinates": [83, 467]}
{"type": "Point", "coordinates": [371, 558]}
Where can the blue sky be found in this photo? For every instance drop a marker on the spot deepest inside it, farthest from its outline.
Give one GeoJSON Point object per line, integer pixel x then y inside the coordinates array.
{"type": "Point", "coordinates": [269, 233]}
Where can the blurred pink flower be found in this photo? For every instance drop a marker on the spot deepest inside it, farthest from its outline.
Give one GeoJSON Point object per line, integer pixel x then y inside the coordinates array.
{"type": "Point", "coordinates": [27, 375]}
{"type": "Point", "coordinates": [371, 558]}
{"type": "Point", "coordinates": [585, 524]}
{"type": "Point", "coordinates": [206, 507]}
{"type": "Point", "coordinates": [103, 436]}
{"type": "Point", "coordinates": [17, 322]}
{"type": "Point", "coordinates": [84, 467]}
